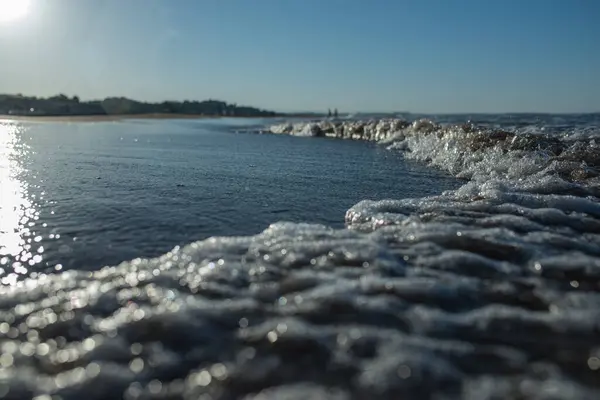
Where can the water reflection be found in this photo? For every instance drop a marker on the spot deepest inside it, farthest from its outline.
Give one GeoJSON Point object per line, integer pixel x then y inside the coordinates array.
{"type": "Point", "coordinates": [19, 246]}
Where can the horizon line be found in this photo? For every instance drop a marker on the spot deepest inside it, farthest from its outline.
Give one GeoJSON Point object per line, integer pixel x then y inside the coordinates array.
{"type": "Point", "coordinates": [290, 111]}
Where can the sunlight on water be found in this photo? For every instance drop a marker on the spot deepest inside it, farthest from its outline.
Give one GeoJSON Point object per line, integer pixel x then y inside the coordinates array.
{"type": "Point", "coordinates": [17, 212]}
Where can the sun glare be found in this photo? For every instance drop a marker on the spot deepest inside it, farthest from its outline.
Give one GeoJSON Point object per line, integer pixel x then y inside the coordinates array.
{"type": "Point", "coordinates": [11, 10]}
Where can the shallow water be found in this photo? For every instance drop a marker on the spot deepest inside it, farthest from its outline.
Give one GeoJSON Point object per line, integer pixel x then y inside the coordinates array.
{"type": "Point", "coordinates": [490, 291]}
{"type": "Point", "coordinates": [95, 194]}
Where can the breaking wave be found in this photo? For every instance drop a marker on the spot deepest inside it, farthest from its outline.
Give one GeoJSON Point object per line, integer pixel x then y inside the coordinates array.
{"type": "Point", "coordinates": [489, 291]}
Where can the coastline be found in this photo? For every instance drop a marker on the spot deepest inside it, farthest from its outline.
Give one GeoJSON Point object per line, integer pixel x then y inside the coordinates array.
{"type": "Point", "coordinates": [107, 118]}
{"type": "Point", "coordinates": [120, 117]}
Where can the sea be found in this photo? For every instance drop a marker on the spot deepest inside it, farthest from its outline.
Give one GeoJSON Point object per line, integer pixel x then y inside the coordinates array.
{"type": "Point", "coordinates": [448, 256]}
{"type": "Point", "coordinates": [87, 195]}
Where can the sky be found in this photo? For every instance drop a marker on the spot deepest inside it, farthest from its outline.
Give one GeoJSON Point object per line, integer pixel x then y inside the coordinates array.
{"type": "Point", "coordinates": [438, 56]}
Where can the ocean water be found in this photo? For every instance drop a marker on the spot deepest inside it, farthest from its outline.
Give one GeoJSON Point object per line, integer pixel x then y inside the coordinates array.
{"type": "Point", "coordinates": [481, 286]}
{"type": "Point", "coordinates": [95, 194]}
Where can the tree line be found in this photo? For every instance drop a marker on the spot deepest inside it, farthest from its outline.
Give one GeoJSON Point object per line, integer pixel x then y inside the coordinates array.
{"type": "Point", "coordinates": [62, 105]}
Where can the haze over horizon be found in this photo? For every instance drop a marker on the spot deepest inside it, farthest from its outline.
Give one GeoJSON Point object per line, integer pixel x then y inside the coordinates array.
{"type": "Point", "coordinates": [429, 56]}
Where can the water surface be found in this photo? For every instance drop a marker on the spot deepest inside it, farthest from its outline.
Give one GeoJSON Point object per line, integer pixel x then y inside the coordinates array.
{"type": "Point", "coordinates": [94, 194]}
{"type": "Point", "coordinates": [488, 291]}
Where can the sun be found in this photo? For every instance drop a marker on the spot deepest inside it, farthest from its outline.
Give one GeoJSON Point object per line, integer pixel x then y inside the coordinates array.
{"type": "Point", "coordinates": [11, 10]}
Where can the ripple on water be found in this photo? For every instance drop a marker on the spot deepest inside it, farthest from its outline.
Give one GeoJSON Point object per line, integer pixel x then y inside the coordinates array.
{"type": "Point", "coordinates": [486, 292]}
{"type": "Point", "coordinates": [19, 214]}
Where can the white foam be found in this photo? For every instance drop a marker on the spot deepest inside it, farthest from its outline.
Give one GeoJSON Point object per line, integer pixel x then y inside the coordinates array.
{"type": "Point", "coordinates": [489, 291]}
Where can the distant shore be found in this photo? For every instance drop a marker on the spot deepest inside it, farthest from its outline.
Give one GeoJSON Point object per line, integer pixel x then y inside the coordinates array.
{"type": "Point", "coordinates": [64, 108]}
{"type": "Point", "coordinates": [108, 118]}
{"type": "Point", "coordinates": [120, 117]}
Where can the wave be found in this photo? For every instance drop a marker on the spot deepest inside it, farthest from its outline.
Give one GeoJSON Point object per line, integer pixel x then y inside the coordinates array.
{"type": "Point", "coordinates": [488, 291]}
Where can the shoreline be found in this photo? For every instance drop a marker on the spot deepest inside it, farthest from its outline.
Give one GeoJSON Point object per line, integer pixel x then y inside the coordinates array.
{"type": "Point", "coordinates": [112, 118]}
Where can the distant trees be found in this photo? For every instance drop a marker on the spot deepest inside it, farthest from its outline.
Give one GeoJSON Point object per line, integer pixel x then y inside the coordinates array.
{"type": "Point", "coordinates": [61, 104]}
{"type": "Point", "coordinates": [59, 97]}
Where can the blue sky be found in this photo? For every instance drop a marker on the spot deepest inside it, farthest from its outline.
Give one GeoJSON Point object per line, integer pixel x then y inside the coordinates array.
{"type": "Point", "coordinates": [292, 55]}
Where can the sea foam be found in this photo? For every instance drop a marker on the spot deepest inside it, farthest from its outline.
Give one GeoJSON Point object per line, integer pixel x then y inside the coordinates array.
{"type": "Point", "coordinates": [485, 292]}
